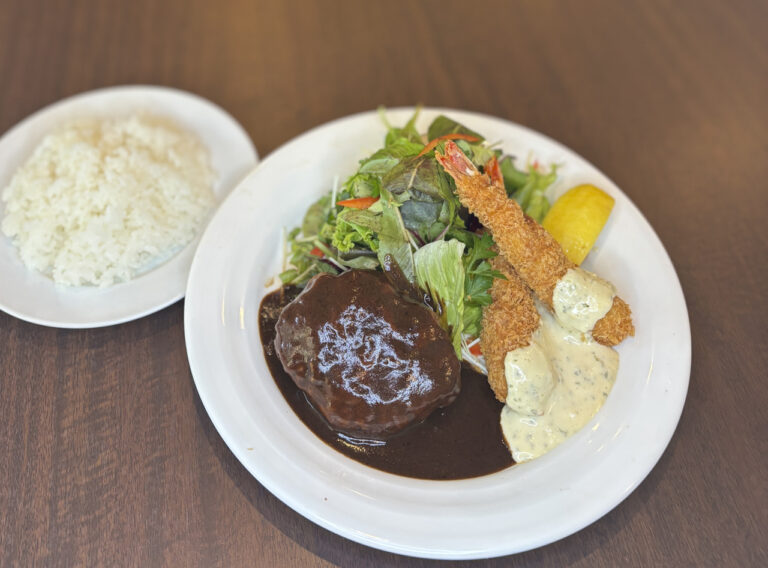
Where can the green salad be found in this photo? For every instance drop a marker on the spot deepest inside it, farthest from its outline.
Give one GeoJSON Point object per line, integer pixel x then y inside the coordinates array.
{"type": "Point", "coordinates": [399, 212]}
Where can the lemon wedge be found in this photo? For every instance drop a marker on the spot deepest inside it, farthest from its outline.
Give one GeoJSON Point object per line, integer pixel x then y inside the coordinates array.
{"type": "Point", "coordinates": [576, 219]}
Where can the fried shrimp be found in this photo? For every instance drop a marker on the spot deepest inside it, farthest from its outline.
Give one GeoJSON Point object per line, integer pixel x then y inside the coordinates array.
{"type": "Point", "coordinates": [508, 323]}
{"type": "Point", "coordinates": [535, 255]}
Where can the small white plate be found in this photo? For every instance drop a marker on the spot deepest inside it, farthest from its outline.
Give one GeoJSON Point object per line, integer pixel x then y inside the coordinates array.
{"type": "Point", "coordinates": [517, 509]}
{"type": "Point", "coordinates": [33, 297]}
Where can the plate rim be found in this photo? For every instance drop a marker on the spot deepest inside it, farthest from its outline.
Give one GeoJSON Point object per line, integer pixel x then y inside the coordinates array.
{"type": "Point", "coordinates": [371, 540]}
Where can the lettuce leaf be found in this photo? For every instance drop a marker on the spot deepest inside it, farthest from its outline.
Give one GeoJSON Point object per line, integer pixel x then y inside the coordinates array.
{"type": "Point", "coordinates": [514, 179]}
{"type": "Point", "coordinates": [443, 125]}
{"type": "Point", "coordinates": [315, 216]}
{"type": "Point", "coordinates": [409, 131]}
{"type": "Point", "coordinates": [440, 272]}
{"type": "Point", "coordinates": [477, 280]}
{"type": "Point", "coordinates": [393, 237]}
{"type": "Point", "coordinates": [352, 228]}
{"type": "Point", "coordinates": [428, 203]}
{"type": "Point", "coordinates": [528, 188]}
{"type": "Point", "coordinates": [360, 185]}
{"type": "Point", "coordinates": [383, 160]}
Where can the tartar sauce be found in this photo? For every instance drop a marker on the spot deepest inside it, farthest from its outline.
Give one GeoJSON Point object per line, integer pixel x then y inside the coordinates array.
{"type": "Point", "coordinates": [530, 377]}
{"type": "Point", "coordinates": [581, 299]}
{"type": "Point", "coordinates": [557, 384]}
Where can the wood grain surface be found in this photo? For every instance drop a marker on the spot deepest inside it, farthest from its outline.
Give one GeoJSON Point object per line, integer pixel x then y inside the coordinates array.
{"type": "Point", "coordinates": [107, 456]}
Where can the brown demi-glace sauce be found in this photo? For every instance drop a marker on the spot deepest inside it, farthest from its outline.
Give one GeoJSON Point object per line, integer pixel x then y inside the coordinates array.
{"type": "Point", "coordinates": [460, 441]}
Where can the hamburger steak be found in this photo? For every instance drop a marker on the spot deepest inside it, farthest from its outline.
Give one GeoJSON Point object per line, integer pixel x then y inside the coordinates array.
{"type": "Point", "coordinates": [370, 361]}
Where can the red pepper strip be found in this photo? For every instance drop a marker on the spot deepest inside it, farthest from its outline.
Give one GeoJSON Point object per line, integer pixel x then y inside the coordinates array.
{"type": "Point", "coordinates": [455, 136]}
{"type": "Point", "coordinates": [475, 349]}
{"type": "Point", "coordinates": [317, 252]}
{"type": "Point", "coordinates": [358, 202]}
{"type": "Point", "coordinates": [493, 170]}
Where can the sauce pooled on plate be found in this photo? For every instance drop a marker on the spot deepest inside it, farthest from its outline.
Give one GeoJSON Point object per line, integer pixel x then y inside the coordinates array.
{"type": "Point", "coordinates": [459, 441]}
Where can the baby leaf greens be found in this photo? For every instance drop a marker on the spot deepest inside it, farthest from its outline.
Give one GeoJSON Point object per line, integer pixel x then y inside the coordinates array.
{"type": "Point", "coordinates": [401, 207]}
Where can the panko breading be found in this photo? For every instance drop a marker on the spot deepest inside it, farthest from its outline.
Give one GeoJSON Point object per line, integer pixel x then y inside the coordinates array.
{"type": "Point", "coordinates": [508, 323]}
{"type": "Point", "coordinates": [535, 255]}
{"type": "Point", "coordinates": [616, 325]}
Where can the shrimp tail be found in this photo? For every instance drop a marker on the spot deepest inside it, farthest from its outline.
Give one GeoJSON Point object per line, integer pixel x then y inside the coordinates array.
{"type": "Point", "coordinates": [456, 162]}
{"type": "Point", "coordinates": [493, 170]}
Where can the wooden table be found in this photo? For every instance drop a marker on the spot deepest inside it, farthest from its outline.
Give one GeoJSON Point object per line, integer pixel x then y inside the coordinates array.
{"type": "Point", "coordinates": [108, 456]}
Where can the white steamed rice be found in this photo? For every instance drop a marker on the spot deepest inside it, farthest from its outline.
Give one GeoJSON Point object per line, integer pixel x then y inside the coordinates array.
{"type": "Point", "coordinates": [101, 201]}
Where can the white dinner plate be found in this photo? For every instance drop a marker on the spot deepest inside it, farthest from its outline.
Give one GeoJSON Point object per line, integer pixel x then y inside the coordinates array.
{"type": "Point", "coordinates": [522, 507]}
{"type": "Point", "coordinates": [33, 297]}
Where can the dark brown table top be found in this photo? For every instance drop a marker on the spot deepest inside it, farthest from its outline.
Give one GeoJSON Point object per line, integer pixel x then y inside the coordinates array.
{"type": "Point", "coordinates": [108, 456]}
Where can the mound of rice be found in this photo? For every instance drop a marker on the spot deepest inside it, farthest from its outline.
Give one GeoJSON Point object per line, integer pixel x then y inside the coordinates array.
{"type": "Point", "coordinates": [101, 201]}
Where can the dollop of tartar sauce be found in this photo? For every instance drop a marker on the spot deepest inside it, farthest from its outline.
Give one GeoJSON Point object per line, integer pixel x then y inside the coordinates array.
{"type": "Point", "coordinates": [557, 384]}
{"type": "Point", "coordinates": [530, 377]}
{"type": "Point", "coordinates": [581, 299]}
